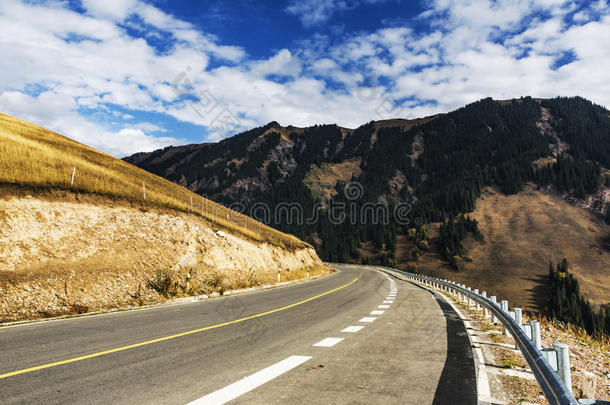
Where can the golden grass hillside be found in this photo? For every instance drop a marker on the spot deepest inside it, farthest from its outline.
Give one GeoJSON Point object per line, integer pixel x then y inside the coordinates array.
{"type": "Point", "coordinates": [523, 232]}
{"type": "Point", "coordinates": [34, 157]}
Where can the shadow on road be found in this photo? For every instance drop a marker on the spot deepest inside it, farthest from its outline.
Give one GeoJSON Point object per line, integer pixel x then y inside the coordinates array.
{"type": "Point", "coordinates": [457, 384]}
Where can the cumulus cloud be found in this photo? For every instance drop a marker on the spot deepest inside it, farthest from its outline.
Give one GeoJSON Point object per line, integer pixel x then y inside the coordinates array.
{"type": "Point", "coordinates": [58, 63]}
{"type": "Point", "coordinates": [57, 112]}
{"type": "Point", "coordinates": [313, 12]}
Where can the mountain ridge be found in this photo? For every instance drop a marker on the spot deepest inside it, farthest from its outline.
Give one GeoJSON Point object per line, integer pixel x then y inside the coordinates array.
{"type": "Point", "coordinates": [433, 170]}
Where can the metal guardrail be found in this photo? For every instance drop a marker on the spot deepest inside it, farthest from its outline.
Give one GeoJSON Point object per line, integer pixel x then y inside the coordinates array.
{"type": "Point", "coordinates": [555, 385]}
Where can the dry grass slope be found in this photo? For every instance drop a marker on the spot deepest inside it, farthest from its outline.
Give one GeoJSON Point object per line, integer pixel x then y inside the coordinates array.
{"type": "Point", "coordinates": [523, 232]}
{"type": "Point", "coordinates": [35, 157]}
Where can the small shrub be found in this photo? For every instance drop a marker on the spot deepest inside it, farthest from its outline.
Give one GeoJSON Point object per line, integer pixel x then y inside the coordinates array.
{"type": "Point", "coordinates": [163, 282]}
{"type": "Point", "coordinates": [79, 308]}
{"type": "Point", "coordinates": [215, 281]}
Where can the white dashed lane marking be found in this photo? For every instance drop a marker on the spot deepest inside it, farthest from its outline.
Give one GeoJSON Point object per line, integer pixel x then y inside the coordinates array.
{"type": "Point", "coordinates": [352, 329]}
{"type": "Point", "coordinates": [259, 378]}
{"type": "Point", "coordinates": [328, 342]}
{"type": "Point", "coordinates": [251, 382]}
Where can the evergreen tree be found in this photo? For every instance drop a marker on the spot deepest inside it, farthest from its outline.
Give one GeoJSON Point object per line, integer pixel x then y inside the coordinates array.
{"type": "Point", "coordinates": [566, 303]}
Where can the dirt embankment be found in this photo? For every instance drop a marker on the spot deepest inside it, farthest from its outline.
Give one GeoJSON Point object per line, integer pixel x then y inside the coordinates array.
{"type": "Point", "coordinates": [59, 257]}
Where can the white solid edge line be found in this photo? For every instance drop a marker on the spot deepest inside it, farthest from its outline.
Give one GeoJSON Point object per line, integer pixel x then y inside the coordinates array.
{"type": "Point", "coordinates": [328, 342]}
{"type": "Point", "coordinates": [352, 329]}
{"type": "Point", "coordinates": [377, 312]}
{"type": "Point", "coordinates": [249, 383]}
{"type": "Point", "coordinates": [483, 389]}
{"type": "Point", "coordinates": [393, 288]}
{"type": "Point", "coordinates": [367, 319]}
{"type": "Point", "coordinates": [383, 306]}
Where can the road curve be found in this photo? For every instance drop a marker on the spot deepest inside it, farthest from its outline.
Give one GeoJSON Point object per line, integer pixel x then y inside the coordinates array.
{"type": "Point", "coordinates": [308, 342]}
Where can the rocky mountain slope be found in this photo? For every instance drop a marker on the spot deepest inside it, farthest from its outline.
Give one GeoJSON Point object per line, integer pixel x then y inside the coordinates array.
{"type": "Point", "coordinates": [380, 192]}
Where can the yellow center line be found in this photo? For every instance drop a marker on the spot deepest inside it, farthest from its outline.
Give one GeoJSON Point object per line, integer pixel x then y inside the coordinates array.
{"type": "Point", "coordinates": [177, 335]}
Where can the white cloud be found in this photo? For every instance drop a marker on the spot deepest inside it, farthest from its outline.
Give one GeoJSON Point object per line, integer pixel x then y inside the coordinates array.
{"type": "Point", "coordinates": [473, 49]}
{"type": "Point", "coordinates": [313, 12]}
{"type": "Point", "coordinates": [282, 64]}
{"type": "Point", "coordinates": [116, 10]}
{"type": "Point", "coordinates": [57, 112]}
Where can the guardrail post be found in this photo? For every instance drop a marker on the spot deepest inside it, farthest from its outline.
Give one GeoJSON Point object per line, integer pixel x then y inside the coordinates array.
{"type": "Point", "coordinates": [518, 316]}
{"type": "Point", "coordinates": [563, 363]}
{"type": "Point", "coordinates": [476, 291]}
{"type": "Point", "coordinates": [469, 299]}
{"type": "Point", "coordinates": [504, 305]}
{"type": "Point", "coordinates": [494, 300]}
{"type": "Point", "coordinates": [519, 320]}
{"type": "Point", "coordinates": [551, 357]}
{"type": "Point", "coordinates": [536, 334]}
{"type": "Point", "coordinates": [485, 311]}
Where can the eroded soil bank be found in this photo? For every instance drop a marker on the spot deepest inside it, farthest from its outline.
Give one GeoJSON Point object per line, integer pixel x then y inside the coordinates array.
{"type": "Point", "coordinates": [60, 257]}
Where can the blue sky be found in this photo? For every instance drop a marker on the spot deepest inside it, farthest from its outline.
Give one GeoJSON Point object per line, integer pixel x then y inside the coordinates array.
{"type": "Point", "coordinates": [135, 75]}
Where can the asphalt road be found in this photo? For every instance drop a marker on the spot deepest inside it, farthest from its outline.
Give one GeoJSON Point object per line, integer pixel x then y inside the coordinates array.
{"type": "Point", "coordinates": [287, 345]}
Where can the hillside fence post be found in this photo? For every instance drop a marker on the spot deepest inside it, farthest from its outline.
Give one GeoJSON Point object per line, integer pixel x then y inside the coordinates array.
{"type": "Point", "coordinates": [144, 190]}
{"type": "Point", "coordinates": [73, 173]}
